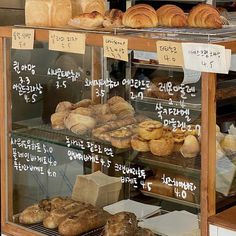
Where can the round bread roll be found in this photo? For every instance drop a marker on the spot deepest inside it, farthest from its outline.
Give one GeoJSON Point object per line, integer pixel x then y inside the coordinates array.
{"type": "Point", "coordinates": [139, 144]}
{"type": "Point", "coordinates": [191, 147]}
{"type": "Point", "coordinates": [229, 143]}
{"type": "Point", "coordinates": [91, 20]}
{"type": "Point", "coordinates": [150, 129]}
{"type": "Point", "coordinates": [158, 187]}
{"type": "Point", "coordinates": [83, 103]}
{"type": "Point", "coordinates": [57, 120]}
{"type": "Point", "coordinates": [79, 124]}
{"type": "Point", "coordinates": [121, 138]}
{"type": "Point", "coordinates": [115, 99]}
{"type": "Point", "coordinates": [83, 111]}
{"type": "Point", "coordinates": [140, 16]}
{"type": "Point", "coordinates": [64, 106]}
{"type": "Point", "coordinates": [162, 147]}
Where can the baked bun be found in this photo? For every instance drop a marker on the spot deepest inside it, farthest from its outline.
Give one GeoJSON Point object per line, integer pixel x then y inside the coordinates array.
{"type": "Point", "coordinates": [150, 129]}
{"type": "Point", "coordinates": [32, 215]}
{"type": "Point", "coordinates": [86, 111]}
{"type": "Point", "coordinates": [204, 16]}
{"type": "Point", "coordinates": [140, 16]}
{"type": "Point", "coordinates": [229, 143]}
{"type": "Point", "coordinates": [113, 18]}
{"type": "Point", "coordinates": [139, 144]}
{"type": "Point", "coordinates": [87, 20]}
{"type": "Point", "coordinates": [171, 16]}
{"type": "Point", "coordinates": [121, 138]}
{"type": "Point", "coordinates": [57, 120]}
{"type": "Point", "coordinates": [83, 103]}
{"type": "Point", "coordinates": [64, 106]}
{"type": "Point", "coordinates": [79, 124]}
{"type": "Point", "coordinates": [162, 147]}
{"type": "Point", "coordinates": [191, 147]}
{"type": "Point", "coordinates": [122, 223]}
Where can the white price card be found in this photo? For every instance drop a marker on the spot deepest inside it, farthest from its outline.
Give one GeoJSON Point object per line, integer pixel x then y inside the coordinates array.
{"type": "Point", "coordinates": [115, 47]}
{"type": "Point", "coordinates": [67, 42]}
{"type": "Point", "coordinates": [206, 57]}
{"type": "Point", "coordinates": [23, 39]}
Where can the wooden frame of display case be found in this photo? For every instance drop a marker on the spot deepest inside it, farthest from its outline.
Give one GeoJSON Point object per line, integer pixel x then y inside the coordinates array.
{"type": "Point", "coordinates": [208, 149]}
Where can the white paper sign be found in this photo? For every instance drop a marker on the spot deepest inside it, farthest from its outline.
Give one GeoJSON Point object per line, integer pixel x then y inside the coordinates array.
{"type": "Point", "coordinates": [233, 63]}
{"type": "Point", "coordinates": [206, 57]}
{"type": "Point", "coordinates": [191, 76]}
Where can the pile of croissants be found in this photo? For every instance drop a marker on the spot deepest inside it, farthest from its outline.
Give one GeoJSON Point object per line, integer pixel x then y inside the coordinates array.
{"type": "Point", "coordinates": [145, 16]}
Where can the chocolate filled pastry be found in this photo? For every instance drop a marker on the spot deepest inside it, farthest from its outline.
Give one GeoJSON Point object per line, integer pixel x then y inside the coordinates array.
{"type": "Point", "coordinates": [204, 16]}
{"type": "Point", "coordinates": [121, 138]}
{"type": "Point", "coordinates": [140, 16]}
{"type": "Point", "coordinates": [113, 18]}
{"type": "Point", "coordinates": [91, 20]}
{"type": "Point", "coordinates": [171, 16]}
{"type": "Point", "coordinates": [139, 144]}
{"type": "Point", "coordinates": [162, 147]}
{"type": "Point", "coordinates": [150, 129]}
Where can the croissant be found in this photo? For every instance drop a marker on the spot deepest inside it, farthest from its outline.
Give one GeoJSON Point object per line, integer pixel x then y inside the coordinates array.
{"type": "Point", "coordinates": [171, 16]}
{"type": "Point", "coordinates": [204, 16]}
{"type": "Point", "coordinates": [113, 18]}
{"type": "Point", "coordinates": [140, 16]}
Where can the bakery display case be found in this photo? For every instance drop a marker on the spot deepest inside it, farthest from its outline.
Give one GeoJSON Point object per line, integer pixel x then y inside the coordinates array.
{"type": "Point", "coordinates": [101, 145]}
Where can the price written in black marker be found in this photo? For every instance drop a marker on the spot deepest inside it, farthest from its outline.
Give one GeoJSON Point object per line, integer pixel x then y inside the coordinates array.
{"type": "Point", "coordinates": [23, 39]}
{"type": "Point", "coordinates": [67, 42]}
{"type": "Point", "coordinates": [169, 53]}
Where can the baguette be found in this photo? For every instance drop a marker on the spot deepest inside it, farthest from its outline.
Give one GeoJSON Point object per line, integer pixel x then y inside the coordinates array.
{"type": "Point", "coordinates": [57, 216]}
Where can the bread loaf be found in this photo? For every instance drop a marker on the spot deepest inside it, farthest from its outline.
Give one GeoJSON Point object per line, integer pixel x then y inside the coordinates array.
{"type": "Point", "coordinates": [89, 6]}
{"type": "Point", "coordinates": [171, 16]}
{"type": "Point", "coordinates": [204, 16]}
{"type": "Point", "coordinates": [32, 215]}
{"type": "Point", "coordinates": [140, 16]}
{"type": "Point", "coordinates": [87, 20]}
{"type": "Point", "coordinates": [122, 223]}
{"type": "Point", "coordinates": [57, 216]}
{"type": "Point", "coordinates": [57, 120]}
{"type": "Point", "coordinates": [83, 221]}
{"type": "Point", "coordinates": [48, 13]}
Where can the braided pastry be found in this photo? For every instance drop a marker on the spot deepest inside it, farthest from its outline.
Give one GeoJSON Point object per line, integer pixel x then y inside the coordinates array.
{"type": "Point", "coordinates": [204, 16]}
{"type": "Point", "coordinates": [171, 16]}
{"type": "Point", "coordinates": [140, 16]}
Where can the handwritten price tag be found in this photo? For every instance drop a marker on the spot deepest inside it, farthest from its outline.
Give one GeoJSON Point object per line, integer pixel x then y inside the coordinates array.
{"type": "Point", "coordinates": [206, 57]}
{"type": "Point", "coordinates": [116, 48]}
{"type": "Point", "coordinates": [169, 53]}
{"type": "Point", "coordinates": [23, 39]}
{"type": "Point", "coordinates": [67, 42]}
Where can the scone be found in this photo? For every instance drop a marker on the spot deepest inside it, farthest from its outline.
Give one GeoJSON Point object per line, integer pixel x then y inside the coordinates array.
{"type": "Point", "coordinates": [139, 144]}
{"type": "Point", "coordinates": [162, 147]}
{"type": "Point", "coordinates": [121, 138]}
{"type": "Point", "coordinates": [150, 129]}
